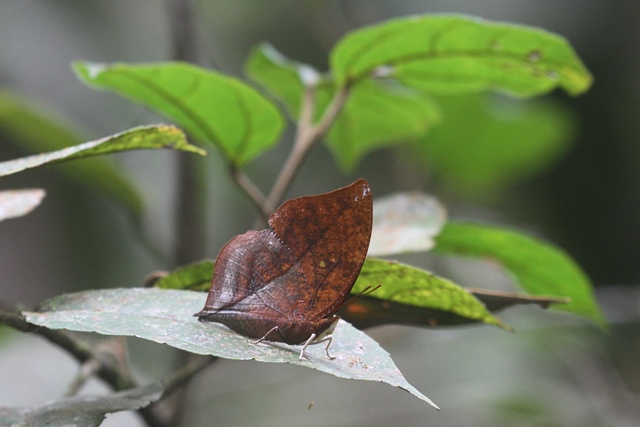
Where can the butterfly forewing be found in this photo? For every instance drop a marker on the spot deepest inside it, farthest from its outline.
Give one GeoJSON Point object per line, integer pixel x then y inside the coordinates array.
{"type": "Point", "coordinates": [329, 235]}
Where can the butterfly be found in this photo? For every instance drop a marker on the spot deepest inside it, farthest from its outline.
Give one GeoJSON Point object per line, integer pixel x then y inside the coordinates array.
{"type": "Point", "coordinates": [285, 283]}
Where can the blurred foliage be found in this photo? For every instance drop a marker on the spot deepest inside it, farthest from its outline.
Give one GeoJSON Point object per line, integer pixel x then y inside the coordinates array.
{"type": "Point", "coordinates": [487, 144]}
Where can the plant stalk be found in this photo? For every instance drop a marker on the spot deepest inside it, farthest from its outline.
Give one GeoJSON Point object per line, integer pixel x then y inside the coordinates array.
{"type": "Point", "coordinates": [307, 136]}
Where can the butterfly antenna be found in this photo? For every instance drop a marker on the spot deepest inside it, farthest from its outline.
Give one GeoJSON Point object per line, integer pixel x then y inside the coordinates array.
{"type": "Point", "coordinates": [363, 293]}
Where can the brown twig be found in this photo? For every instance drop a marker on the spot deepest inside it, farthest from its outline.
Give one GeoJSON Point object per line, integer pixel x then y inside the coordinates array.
{"type": "Point", "coordinates": [250, 190]}
{"type": "Point", "coordinates": [115, 374]}
{"type": "Point", "coordinates": [117, 378]}
{"type": "Point", "coordinates": [307, 136]}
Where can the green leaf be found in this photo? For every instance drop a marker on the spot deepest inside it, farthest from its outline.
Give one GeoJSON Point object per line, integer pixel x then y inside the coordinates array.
{"type": "Point", "coordinates": [458, 54]}
{"type": "Point", "coordinates": [212, 107]}
{"type": "Point", "coordinates": [283, 78]}
{"type": "Point", "coordinates": [484, 145]}
{"type": "Point", "coordinates": [405, 222]}
{"type": "Point", "coordinates": [145, 137]}
{"type": "Point", "coordinates": [192, 277]}
{"type": "Point", "coordinates": [17, 203]}
{"type": "Point", "coordinates": [499, 300]}
{"type": "Point", "coordinates": [81, 411]}
{"type": "Point", "coordinates": [377, 113]}
{"type": "Point", "coordinates": [30, 128]}
{"type": "Point", "coordinates": [368, 312]}
{"type": "Point", "coordinates": [166, 316]}
{"type": "Point", "coordinates": [538, 267]}
{"type": "Point", "coordinates": [413, 287]}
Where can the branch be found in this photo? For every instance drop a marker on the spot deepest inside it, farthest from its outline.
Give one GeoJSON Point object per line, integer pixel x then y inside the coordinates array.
{"type": "Point", "coordinates": [79, 349]}
{"type": "Point", "coordinates": [307, 136]}
{"type": "Point", "coordinates": [250, 190]}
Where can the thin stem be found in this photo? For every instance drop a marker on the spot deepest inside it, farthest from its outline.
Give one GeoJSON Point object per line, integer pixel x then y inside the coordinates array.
{"type": "Point", "coordinates": [189, 209]}
{"type": "Point", "coordinates": [182, 376]}
{"type": "Point", "coordinates": [250, 189]}
{"type": "Point", "coordinates": [107, 368]}
{"type": "Point", "coordinates": [82, 351]}
{"type": "Point", "coordinates": [307, 137]}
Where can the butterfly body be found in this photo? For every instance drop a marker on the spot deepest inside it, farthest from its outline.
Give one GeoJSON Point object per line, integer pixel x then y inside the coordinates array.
{"type": "Point", "coordinates": [285, 283]}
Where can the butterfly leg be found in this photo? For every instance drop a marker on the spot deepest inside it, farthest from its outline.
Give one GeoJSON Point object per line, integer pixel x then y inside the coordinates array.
{"type": "Point", "coordinates": [306, 344]}
{"type": "Point", "coordinates": [275, 328]}
{"type": "Point", "coordinates": [329, 339]}
{"type": "Point", "coordinates": [313, 340]}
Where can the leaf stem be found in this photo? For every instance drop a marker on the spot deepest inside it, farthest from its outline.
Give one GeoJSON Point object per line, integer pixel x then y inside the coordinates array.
{"type": "Point", "coordinates": [82, 351]}
{"type": "Point", "coordinates": [112, 372]}
{"type": "Point", "coordinates": [307, 136]}
{"type": "Point", "coordinates": [250, 189]}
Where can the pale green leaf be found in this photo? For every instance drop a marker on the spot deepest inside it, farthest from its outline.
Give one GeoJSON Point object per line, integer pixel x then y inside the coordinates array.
{"type": "Point", "coordinates": [283, 78]}
{"type": "Point", "coordinates": [379, 113]}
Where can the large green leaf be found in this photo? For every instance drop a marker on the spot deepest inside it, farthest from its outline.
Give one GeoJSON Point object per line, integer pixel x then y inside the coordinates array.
{"type": "Point", "coordinates": [30, 128]}
{"type": "Point", "coordinates": [453, 54]}
{"type": "Point", "coordinates": [417, 288]}
{"type": "Point", "coordinates": [485, 144]}
{"type": "Point", "coordinates": [377, 113]}
{"type": "Point", "coordinates": [210, 106]}
{"type": "Point", "coordinates": [166, 316]}
{"type": "Point", "coordinates": [538, 267]}
{"type": "Point", "coordinates": [283, 78]}
{"type": "Point", "coordinates": [144, 137]}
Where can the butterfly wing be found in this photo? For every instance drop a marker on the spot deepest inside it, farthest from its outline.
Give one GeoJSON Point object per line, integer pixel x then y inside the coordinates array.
{"type": "Point", "coordinates": [249, 291]}
{"type": "Point", "coordinates": [329, 236]}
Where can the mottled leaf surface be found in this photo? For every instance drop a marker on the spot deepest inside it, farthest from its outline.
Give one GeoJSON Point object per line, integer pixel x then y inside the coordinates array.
{"type": "Point", "coordinates": [166, 316]}
{"type": "Point", "coordinates": [418, 288]}
{"type": "Point", "coordinates": [145, 137]}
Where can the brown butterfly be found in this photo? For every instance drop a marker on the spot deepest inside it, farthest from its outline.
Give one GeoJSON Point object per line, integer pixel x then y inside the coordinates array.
{"type": "Point", "coordinates": [286, 283]}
